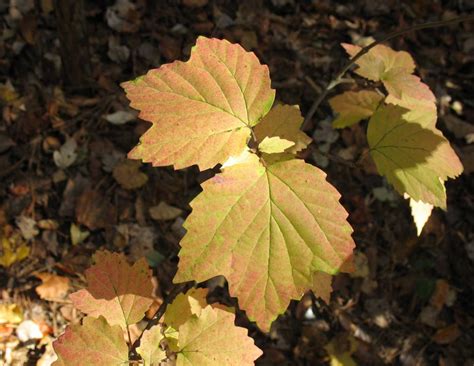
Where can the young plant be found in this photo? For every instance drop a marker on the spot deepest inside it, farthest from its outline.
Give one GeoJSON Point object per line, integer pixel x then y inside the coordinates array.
{"type": "Point", "coordinates": [268, 222]}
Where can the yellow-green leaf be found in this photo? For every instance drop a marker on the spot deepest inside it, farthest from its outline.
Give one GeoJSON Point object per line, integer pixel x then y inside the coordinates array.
{"type": "Point", "coordinates": [283, 121]}
{"type": "Point", "coordinates": [150, 351]}
{"type": "Point", "coordinates": [212, 339]}
{"type": "Point", "coordinates": [202, 109]}
{"type": "Point", "coordinates": [185, 305]}
{"type": "Point", "coordinates": [267, 229]}
{"type": "Point", "coordinates": [352, 107]}
{"type": "Point", "coordinates": [415, 159]}
{"type": "Point", "coordinates": [379, 61]}
{"type": "Point", "coordinates": [274, 145]}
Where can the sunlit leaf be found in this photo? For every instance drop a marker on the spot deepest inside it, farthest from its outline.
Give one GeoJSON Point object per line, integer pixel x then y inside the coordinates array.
{"type": "Point", "coordinates": [202, 109]}
{"type": "Point", "coordinates": [274, 145]}
{"type": "Point", "coordinates": [212, 339]}
{"type": "Point", "coordinates": [185, 305]}
{"type": "Point", "coordinates": [352, 107]}
{"type": "Point", "coordinates": [94, 342]}
{"type": "Point", "coordinates": [421, 212]}
{"type": "Point", "coordinates": [283, 121]}
{"type": "Point", "coordinates": [150, 351]}
{"type": "Point", "coordinates": [416, 160]}
{"type": "Point", "coordinates": [379, 61]}
{"type": "Point", "coordinates": [120, 292]}
{"type": "Point", "coordinates": [267, 229]}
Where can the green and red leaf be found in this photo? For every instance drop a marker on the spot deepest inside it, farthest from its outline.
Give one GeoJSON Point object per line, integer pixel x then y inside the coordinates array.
{"type": "Point", "coordinates": [202, 110]}
{"type": "Point", "coordinates": [93, 343]}
{"type": "Point", "coordinates": [267, 229]}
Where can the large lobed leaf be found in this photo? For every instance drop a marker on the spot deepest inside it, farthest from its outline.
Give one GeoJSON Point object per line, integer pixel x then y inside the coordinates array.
{"type": "Point", "coordinates": [93, 343]}
{"type": "Point", "coordinates": [202, 109]}
{"type": "Point", "coordinates": [416, 159]}
{"type": "Point", "coordinates": [119, 292]}
{"type": "Point", "coordinates": [267, 229]}
{"type": "Point", "coordinates": [212, 339]}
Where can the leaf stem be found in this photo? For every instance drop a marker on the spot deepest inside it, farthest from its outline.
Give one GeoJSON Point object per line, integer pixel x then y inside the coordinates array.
{"type": "Point", "coordinates": [339, 76]}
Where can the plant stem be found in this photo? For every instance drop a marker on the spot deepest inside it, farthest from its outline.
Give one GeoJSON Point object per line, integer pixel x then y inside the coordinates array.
{"type": "Point", "coordinates": [337, 79]}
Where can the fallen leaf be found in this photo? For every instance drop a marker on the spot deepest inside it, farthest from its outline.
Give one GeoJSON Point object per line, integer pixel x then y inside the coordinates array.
{"type": "Point", "coordinates": [13, 250]}
{"type": "Point", "coordinates": [164, 212]}
{"type": "Point", "coordinates": [53, 287]}
{"type": "Point", "coordinates": [28, 330]}
{"type": "Point", "coordinates": [10, 314]}
{"type": "Point", "coordinates": [27, 226]}
{"type": "Point", "coordinates": [66, 155]}
{"type": "Point", "coordinates": [78, 235]}
{"type": "Point", "coordinates": [128, 175]}
{"type": "Point", "coordinates": [447, 335]}
{"type": "Point", "coordinates": [120, 117]}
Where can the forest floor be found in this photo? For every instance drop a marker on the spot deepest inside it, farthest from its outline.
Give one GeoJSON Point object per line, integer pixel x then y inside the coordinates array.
{"type": "Point", "coordinates": [66, 188]}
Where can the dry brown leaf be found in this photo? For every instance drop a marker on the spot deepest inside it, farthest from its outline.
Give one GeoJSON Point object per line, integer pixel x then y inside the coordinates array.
{"type": "Point", "coordinates": [53, 287]}
{"type": "Point", "coordinates": [164, 212]}
{"type": "Point", "coordinates": [128, 175]}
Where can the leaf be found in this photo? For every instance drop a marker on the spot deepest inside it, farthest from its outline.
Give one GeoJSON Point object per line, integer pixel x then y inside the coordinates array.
{"type": "Point", "coordinates": [202, 109]}
{"type": "Point", "coordinates": [128, 175]}
{"type": "Point", "coordinates": [322, 286]}
{"type": "Point", "coordinates": [267, 230]}
{"type": "Point", "coordinates": [120, 117]}
{"type": "Point", "coordinates": [27, 226]}
{"type": "Point", "coordinates": [414, 159]}
{"type": "Point", "coordinates": [93, 343]}
{"type": "Point", "coordinates": [353, 107]}
{"type": "Point", "coordinates": [379, 61]}
{"type": "Point", "coordinates": [77, 235]}
{"type": "Point", "coordinates": [421, 212]}
{"type": "Point", "coordinates": [212, 339]}
{"type": "Point", "coordinates": [119, 292]}
{"type": "Point", "coordinates": [150, 349]}
{"type": "Point", "coordinates": [66, 155]}
{"type": "Point", "coordinates": [274, 145]}
{"type": "Point", "coordinates": [185, 305]}
{"type": "Point", "coordinates": [283, 121]}
{"type": "Point", "coordinates": [10, 314]}
{"type": "Point", "coordinates": [164, 212]}
{"type": "Point", "coordinates": [13, 250]}
{"type": "Point", "coordinates": [53, 287]}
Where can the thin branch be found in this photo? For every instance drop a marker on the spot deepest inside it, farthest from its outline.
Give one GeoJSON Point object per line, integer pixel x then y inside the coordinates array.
{"type": "Point", "coordinates": [337, 79]}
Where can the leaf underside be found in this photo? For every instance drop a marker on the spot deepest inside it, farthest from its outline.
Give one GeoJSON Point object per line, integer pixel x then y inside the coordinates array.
{"type": "Point", "coordinates": [268, 229]}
